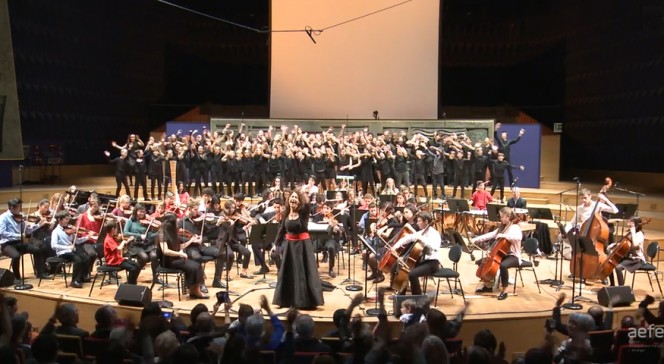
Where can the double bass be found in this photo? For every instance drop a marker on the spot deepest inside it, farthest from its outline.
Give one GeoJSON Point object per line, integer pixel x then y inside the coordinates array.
{"type": "Point", "coordinates": [406, 257]}
{"type": "Point", "coordinates": [596, 230]}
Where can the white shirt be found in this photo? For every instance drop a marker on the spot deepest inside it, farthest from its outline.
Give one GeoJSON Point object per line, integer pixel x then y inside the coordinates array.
{"type": "Point", "coordinates": [513, 234]}
{"type": "Point", "coordinates": [583, 212]}
{"type": "Point", "coordinates": [431, 239]}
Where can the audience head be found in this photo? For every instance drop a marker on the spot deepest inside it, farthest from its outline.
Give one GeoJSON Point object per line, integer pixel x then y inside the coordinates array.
{"type": "Point", "coordinates": [204, 323]}
{"type": "Point", "coordinates": [597, 314]}
{"type": "Point", "coordinates": [105, 316]}
{"type": "Point", "coordinates": [478, 355]}
{"type": "Point", "coordinates": [580, 323]}
{"type": "Point", "coordinates": [486, 339]}
{"type": "Point", "coordinates": [434, 350]}
{"type": "Point", "coordinates": [197, 310]}
{"type": "Point", "coordinates": [436, 320]}
{"type": "Point", "coordinates": [244, 312]}
{"type": "Point", "coordinates": [627, 322]}
{"type": "Point", "coordinates": [338, 316]}
{"type": "Point", "coordinates": [537, 356]}
{"type": "Point", "coordinates": [67, 314]}
{"type": "Point", "coordinates": [254, 326]}
{"type": "Point", "coordinates": [165, 344]}
{"type": "Point", "coordinates": [304, 326]}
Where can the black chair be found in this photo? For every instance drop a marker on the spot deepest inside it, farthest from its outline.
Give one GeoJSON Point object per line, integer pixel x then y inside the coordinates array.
{"type": "Point", "coordinates": [601, 342]}
{"type": "Point", "coordinates": [104, 270]}
{"type": "Point", "coordinates": [530, 246]}
{"type": "Point", "coordinates": [164, 273]}
{"type": "Point", "coordinates": [70, 344]}
{"type": "Point", "coordinates": [93, 346]}
{"type": "Point", "coordinates": [630, 354]}
{"type": "Point", "coordinates": [649, 267]}
{"type": "Point", "coordinates": [56, 263]}
{"type": "Point", "coordinates": [447, 274]}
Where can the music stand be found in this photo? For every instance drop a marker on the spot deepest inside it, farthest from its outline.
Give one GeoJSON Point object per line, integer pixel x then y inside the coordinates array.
{"type": "Point", "coordinates": [584, 246]}
{"type": "Point", "coordinates": [329, 195]}
{"type": "Point", "coordinates": [492, 211]}
{"type": "Point", "coordinates": [386, 198]}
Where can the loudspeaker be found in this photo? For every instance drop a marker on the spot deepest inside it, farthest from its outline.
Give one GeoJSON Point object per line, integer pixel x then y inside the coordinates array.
{"type": "Point", "coordinates": [622, 296]}
{"type": "Point", "coordinates": [398, 299]}
{"type": "Point", "coordinates": [6, 278]}
{"type": "Point", "coordinates": [133, 295]}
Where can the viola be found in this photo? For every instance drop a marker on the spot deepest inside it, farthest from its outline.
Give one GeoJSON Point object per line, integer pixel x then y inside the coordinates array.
{"type": "Point", "coordinates": [18, 217]}
{"type": "Point", "coordinates": [152, 223]}
{"type": "Point", "coordinates": [186, 234]}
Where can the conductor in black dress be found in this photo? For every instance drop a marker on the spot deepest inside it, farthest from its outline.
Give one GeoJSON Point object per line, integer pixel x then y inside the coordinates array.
{"type": "Point", "coordinates": [298, 283]}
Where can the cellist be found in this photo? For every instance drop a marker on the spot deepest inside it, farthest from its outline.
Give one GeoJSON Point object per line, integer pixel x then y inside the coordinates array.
{"type": "Point", "coordinates": [512, 233]}
{"type": "Point", "coordinates": [430, 262]}
{"type": "Point", "coordinates": [636, 257]}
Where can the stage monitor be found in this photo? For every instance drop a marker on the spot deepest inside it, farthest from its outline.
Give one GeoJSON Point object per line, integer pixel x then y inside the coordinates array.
{"type": "Point", "coordinates": [354, 58]}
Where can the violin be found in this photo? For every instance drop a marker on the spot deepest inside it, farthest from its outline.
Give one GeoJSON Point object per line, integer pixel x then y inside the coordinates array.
{"type": "Point", "coordinates": [151, 224]}
{"type": "Point", "coordinates": [18, 217]}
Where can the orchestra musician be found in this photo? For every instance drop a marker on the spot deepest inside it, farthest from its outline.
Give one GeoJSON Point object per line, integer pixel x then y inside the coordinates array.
{"type": "Point", "coordinates": [585, 209]}
{"type": "Point", "coordinates": [275, 216]}
{"type": "Point", "coordinates": [90, 224]}
{"type": "Point", "coordinates": [40, 239]}
{"type": "Point", "coordinates": [190, 229]}
{"type": "Point", "coordinates": [13, 229]}
{"type": "Point", "coordinates": [84, 207]}
{"type": "Point", "coordinates": [516, 201]}
{"type": "Point", "coordinates": [234, 235]}
{"type": "Point", "coordinates": [182, 193]}
{"type": "Point", "coordinates": [511, 232]}
{"type": "Point", "coordinates": [144, 231]}
{"type": "Point", "coordinates": [481, 197]}
{"type": "Point", "coordinates": [335, 231]}
{"type": "Point", "coordinates": [174, 256]}
{"type": "Point", "coordinates": [113, 251]}
{"type": "Point", "coordinates": [298, 283]}
{"type": "Point", "coordinates": [170, 206]}
{"type": "Point", "coordinates": [64, 243]}
{"type": "Point", "coordinates": [430, 238]}
{"type": "Point", "coordinates": [123, 208]}
{"type": "Point", "coordinates": [636, 258]}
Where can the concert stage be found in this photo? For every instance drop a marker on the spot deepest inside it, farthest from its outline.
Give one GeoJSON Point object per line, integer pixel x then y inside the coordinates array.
{"type": "Point", "coordinates": [518, 320]}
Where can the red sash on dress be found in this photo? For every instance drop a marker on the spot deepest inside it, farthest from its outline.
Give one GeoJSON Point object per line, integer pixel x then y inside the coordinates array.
{"type": "Point", "coordinates": [300, 236]}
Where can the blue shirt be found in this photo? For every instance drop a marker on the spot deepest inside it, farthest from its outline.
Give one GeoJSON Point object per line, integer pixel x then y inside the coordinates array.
{"type": "Point", "coordinates": [11, 230]}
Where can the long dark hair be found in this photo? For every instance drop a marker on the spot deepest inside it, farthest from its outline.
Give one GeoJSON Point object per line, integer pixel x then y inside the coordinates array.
{"type": "Point", "coordinates": [168, 228]}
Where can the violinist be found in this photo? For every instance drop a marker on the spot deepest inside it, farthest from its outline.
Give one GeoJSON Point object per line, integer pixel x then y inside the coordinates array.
{"type": "Point", "coordinates": [170, 206]}
{"type": "Point", "coordinates": [144, 231]}
{"type": "Point", "coordinates": [430, 238]}
{"type": "Point", "coordinates": [400, 200]}
{"type": "Point", "coordinates": [90, 223]}
{"type": "Point", "coordinates": [317, 206]}
{"type": "Point", "coordinates": [512, 233]}
{"type": "Point", "coordinates": [205, 203]}
{"type": "Point", "coordinates": [585, 209]}
{"type": "Point", "coordinates": [172, 248]}
{"type": "Point", "coordinates": [84, 207]}
{"type": "Point", "coordinates": [12, 230]}
{"type": "Point", "coordinates": [123, 208]}
{"type": "Point", "coordinates": [329, 244]}
{"type": "Point", "coordinates": [235, 236]}
{"type": "Point", "coordinates": [275, 216]}
{"type": "Point", "coordinates": [636, 257]}
{"type": "Point", "coordinates": [387, 224]}
{"type": "Point", "coordinates": [190, 229]}
{"type": "Point", "coordinates": [372, 214]}
{"type": "Point", "coordinates": [56, 203]}
{"type": "Point", "coordinates": [40, 239]}
{"type": "Point", "coordinates": [113, 251]}
{"type": "Point", "coordinates": [63, 242]}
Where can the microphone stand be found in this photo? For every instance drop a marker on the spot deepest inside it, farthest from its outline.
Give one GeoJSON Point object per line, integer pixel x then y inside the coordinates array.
{"type": "Point", "coordinates": [354, 286]}
{"type": "Point", "coordinates": [573, 305]}
{"type": "Point", "coordinates": [637, 194]}
{"type": "Point", "coordinates": [372, 311]}
{"type": "Point", "coordinates": [22, 286]}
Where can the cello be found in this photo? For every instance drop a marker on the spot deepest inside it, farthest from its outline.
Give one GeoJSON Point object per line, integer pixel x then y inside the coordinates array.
{"type": "Point", "coordinates": [406, 257]}
{"type": "Point", "coordinates": [488, 269]}
{"type": "Point", "coordinates": [596, 230]}
{"type": "Point", "coordinates": [618, 253]}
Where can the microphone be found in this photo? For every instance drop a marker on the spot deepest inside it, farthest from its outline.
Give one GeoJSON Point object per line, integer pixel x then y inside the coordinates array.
{"type": "Point", "coordinates": [576, 179]}
{"type": "Point", "coordinates": [616, 185]}
{"type": "Point", "coordinates": [20, 167]}
{"type": "Point", "coordinates": [309, 32]}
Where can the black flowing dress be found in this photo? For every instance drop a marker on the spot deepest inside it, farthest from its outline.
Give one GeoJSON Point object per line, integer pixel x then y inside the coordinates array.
{"type": "Point", "coordinates": [298, 283]}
